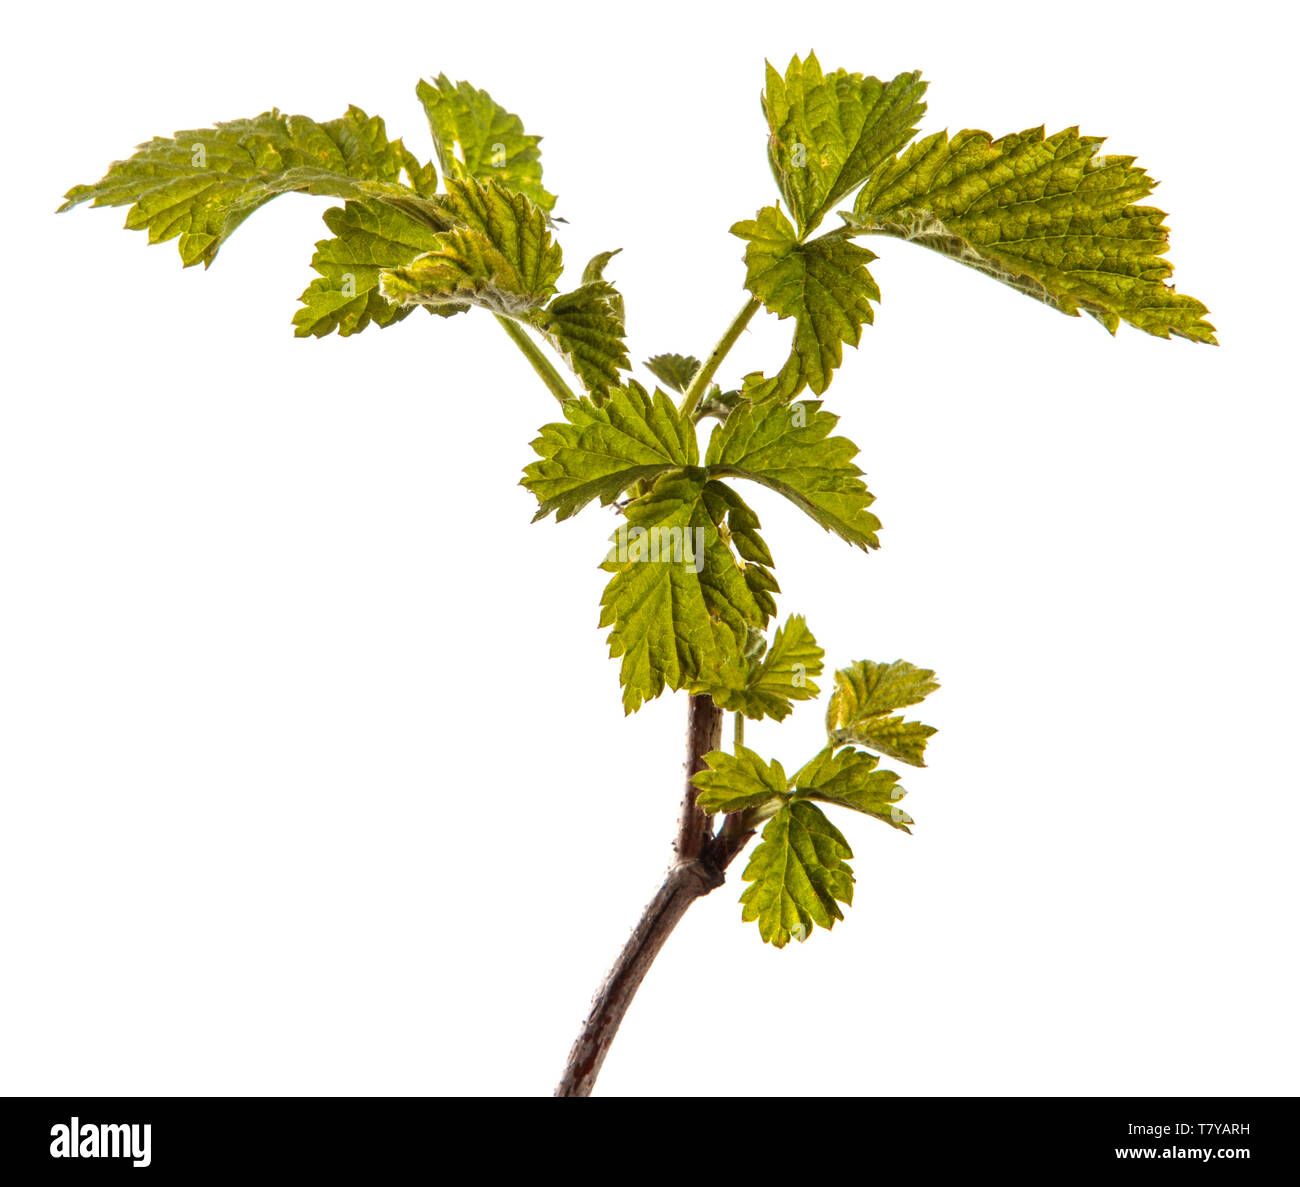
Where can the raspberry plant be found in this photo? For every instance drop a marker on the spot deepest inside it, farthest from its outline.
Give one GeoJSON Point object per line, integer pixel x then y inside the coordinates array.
{"type": "Point", "coordinates": [691, 594]}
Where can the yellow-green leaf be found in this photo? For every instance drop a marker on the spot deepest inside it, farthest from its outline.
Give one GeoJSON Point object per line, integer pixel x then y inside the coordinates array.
{"type": "Point", "coordinates": [499, 255]}
{"type": "Point", "coordinates": [476, 137]}
{"type": "Point", "coordinates": [677, 590]}
{"type": "Point", "coordinates": [368, 237]}
{"type": "Point", "coordinates": [199, 185]}
{"type": "Point", "coordinates": [734, 782]}
{"type": "Point", "coordinates": [788, 448]}
{"type": "Point", "coordinates": [586, 327]}
{"type": "Point", "coordinates": [823, 284]}
{"type": "Point", "coordinates": [865, 696]}
{"type": "Point", "coordinates": [766, 685]}
{"type": "Point", "coordinates": [676, 370]}
{"type": "Point", "coordinates": [599, 451]}
{"type": "Point", "coordinates": [799, 875]}
{"type": "Point", "coordinates": [1051, 216]}
{"type": "Point", "coordinates": [829, 131]}
{"type": "Point", "coordinates": [850, 778]}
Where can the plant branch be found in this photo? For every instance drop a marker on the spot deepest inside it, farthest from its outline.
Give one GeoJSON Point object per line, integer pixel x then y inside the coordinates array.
{"type": "Point", "coordinates": [703, 734]}
{"type": "Point", "coordinates": [700, 867]}
{"type": "Point", "coordinates": [704, 376]}
{"type": "Point", "coordinates": [685, 882]}
{"type": "Point", "coordinates": [702, 858]}
{"type": "Point", "coordinates": [540, 363]}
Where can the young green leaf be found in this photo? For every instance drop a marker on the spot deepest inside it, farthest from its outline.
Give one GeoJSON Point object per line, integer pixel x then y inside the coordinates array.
{"type": "Point", "coordinates": [850, 778]}
{"type": "Point", "coordinates": [738, 525]}
{"type": "Point", "coordinates": [476, 137]}
{"type": "Point", "coordinates": [368, 237]}
{"type": "Point", "coordinates": [586, 327]}
{"type": "Point", "coordinates": [860, 709]}
{"type": "Point", "coordinates": [1046, 215]}
{"type": "Point", "coordinates": [601, 451]}
{"type": "Point", "coordinates": [782, 387]}
{"type": "Point", "coordinates": [766, 685]}
{"type": "Point", "coordinates": [788, 448]}
{"type": "Point", "coordinates": [675, 370]}
{"type": "Point", "coordinates": [595, 269]}
{"type": "Point", "coordinates": [798, 875]}
{"type": "Point", "coordinates": [734, 782]}
{"type": "Point", "coordinates": [500, 255]}
{"type": "Point", "coordinates": [824, 285]}
{"type": "Point", "coordinates": [830, 131]}
{"type": "Point", "coordinates": [717, 403]}
{"type": "Point", "coordinates": [676, 582]}
{"type": "Point", "coordinates": [201, 184]}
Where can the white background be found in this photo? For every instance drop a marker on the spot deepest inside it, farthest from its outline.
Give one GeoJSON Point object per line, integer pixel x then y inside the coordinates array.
{"type": "Point", "coordinates": [314, 774]}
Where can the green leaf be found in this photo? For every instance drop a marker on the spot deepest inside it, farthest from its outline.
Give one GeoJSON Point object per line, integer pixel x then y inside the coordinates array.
{"type": "Point", "coordinates": [586, 327]}
{"type": "Point", "coordinates": [830, 131]}
{"type": "Point", "coordinates": [675, 370]}
{"type": "Point", "coordinates": [201, 184]}
{"type": "Point", "coordinates": [866, 694]}
{"type": "Point", "coordinates": [734, 782]}
{"type": "Point", "coordinates": [368, 237]}
{"type": "Point", "coordinates": [766, 685]}
{"type": "Point", "coordinates": [476, 137]}
{"type": "Point", "coordinates": [782, 387]}
{"type": "Point", "coordinates": [738, 526]}
{"type": "Point", "coordinates": [799, 875]}
{"type": "Point", "coordinates": [601, 451]}
{"type": "Point", "coordinates": [1046, 215]}
{"type": "Point", "coordinates": [717, 403]}
{"type": "Point", "coordinates": [788, 448]}
{"type": "Point", "coordinates": [500, 255]}
{"type": "Point", "coordinates": [676, 585]}
{"type": "Point", "coordinates": [824, 285]}
{"type": "Point", "coordinates": [595, 269]}
{"type": "Point", "coordinates": [849, 778]}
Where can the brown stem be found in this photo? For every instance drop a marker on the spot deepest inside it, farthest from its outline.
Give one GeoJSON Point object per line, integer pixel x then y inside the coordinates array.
{"type": "Point", "coordinates": [703, 734]}
{"type": "Point", "coordinates": [701, 861]}
{"type": "Point", "coordinates": [686, 881]}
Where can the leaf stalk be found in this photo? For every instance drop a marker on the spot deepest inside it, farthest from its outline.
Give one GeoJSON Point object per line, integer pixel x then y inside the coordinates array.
{"type": "Point", "coordinates": [540, 363]}
{"type": "Point", "coordinates": [704, 376]}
